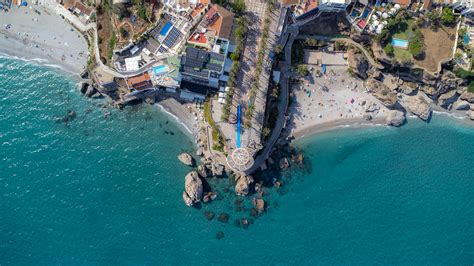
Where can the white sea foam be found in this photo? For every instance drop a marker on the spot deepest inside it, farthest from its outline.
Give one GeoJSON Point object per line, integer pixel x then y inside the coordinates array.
{"type": "Point", "coordinates": [453, 115]}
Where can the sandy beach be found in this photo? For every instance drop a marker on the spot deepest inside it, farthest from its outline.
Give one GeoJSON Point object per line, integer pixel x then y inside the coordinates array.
{"type": "Point", "coordinates": [335, 99]}
{"type": "Point", "coordinates": [37, 33]}
{"type": "Point", "coordinates": [183, 114]}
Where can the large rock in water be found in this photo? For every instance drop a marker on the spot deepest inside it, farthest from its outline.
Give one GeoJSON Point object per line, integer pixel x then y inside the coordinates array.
{"type": "Point", "coordinates": [395, 118]}
{"type": "Point", "coordinates": [382, 93]}
{"type": "Point", "coordinates": [202, 171]}
{"type": "Point", "coordinates": [192, 188]}
{"type": "Point", "coordinates": [446, 100]}
{"type": "Point", "coordinates": [242, 185]}
{"type": "Point", "coordinates": [358, 63]}
{"type": "Point", "coordinates": [259, 205]}
{"type": "Point", "coordinates": [186, 159]}
{"type": "Point", "coordinates": [419, 106]}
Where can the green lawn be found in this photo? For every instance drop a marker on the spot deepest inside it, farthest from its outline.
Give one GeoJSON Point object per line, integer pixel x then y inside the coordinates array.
{"type": "Point", "coordinates": [402, 31]}
{"type": "Point", "coordinates": [401, 54]}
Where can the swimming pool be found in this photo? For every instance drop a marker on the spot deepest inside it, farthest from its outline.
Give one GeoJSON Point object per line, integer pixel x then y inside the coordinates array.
{"type": "Point", "coordinates": [159, 70]}
{"type": "Point", "coordinates": [399, 43]}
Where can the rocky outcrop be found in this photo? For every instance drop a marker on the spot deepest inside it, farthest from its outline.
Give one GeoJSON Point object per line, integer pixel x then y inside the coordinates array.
{"type": "Point", "coordinates": [358, 63]}
{"type": "Point", "coordinates": [202, 171]}
{"type": "Point", "coordinates": [446, 100]}
{"type": "Point", "coordinates": [470, 114]}
{"type": "Point", "coordinates": [186, 159]}
{"type": "Point", "coordinates": [395, 118]}
{"type": "Point", "coordinates": [217, 169]}
{"type": "Point", "coordinates": [371, 107]}
{"type": "Point", "coordinates": [242, 185]}
{"type": "Point", "coordinates": [382, 93]}
{"type": "Point", "coordinates": [408, 88]}
{"type": "Point", "coordinates": [284, 163]}
{"type": "Point", "coordinates": [367, 117]}
{"type": "Point", "coordinates": [467, 96]}
{"type": "Point", "coordinates": [461, 105]}
{"type": "Point", "coordinates": [192, 188]}
{"type": "Point", "coordinates": [420, 106]}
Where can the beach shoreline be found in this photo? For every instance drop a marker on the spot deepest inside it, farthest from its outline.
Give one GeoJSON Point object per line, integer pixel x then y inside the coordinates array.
{"type": "Point", "coordinates": [314, 129]}
{"type": "Point", "coordinates": [38, 35]}
{"type": "Point", "coordinates": [180, 114]}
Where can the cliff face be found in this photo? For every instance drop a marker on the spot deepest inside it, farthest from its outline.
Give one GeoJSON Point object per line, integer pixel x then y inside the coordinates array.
{"type": "Point", "coordinates": [327, 24]}
{"type": "Point", "coordinates": [382, 93]}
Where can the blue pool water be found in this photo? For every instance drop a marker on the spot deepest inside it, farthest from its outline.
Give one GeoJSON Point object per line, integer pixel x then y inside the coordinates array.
{"type": "Point", "coordinates": [166, 28]}
{"type": "Point", "coordinates": [108, 191]}
{"type": "Point", "coordinates": [159, 70]}
{"type": "Point", "coordinates": [400, 43]}
{"type": "Point", "coordinates": [366, 13]}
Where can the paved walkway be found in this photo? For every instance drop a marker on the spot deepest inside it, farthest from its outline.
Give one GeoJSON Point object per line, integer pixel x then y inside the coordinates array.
{"type": "Point", "coordinates": [290, 34]}
{"type": "Point", "coordinates": [347, 41]}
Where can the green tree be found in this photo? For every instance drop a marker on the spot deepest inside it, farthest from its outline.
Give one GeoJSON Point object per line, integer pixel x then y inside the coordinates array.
{"type": "Point", "coordinates": [123, 32]}
{"type": "Point", "coordinates": [447, 16]}
{"type": "Point", "coordinates": [302, 70]}
{"type": "Point", "coordinates": [389, 49]}
{"type": "Point", "coordinates": [433, 17]}
{"type": "Point", "coordinates": [234, 56]}
{"type": "Point", "coordinates": [266, 132]}
{"type": "Point", "coordinates": [416, 46]}
{"type": "Point", "coordinates": [141, 12]}
{"type": "Point", "coordinates": [239, 7]}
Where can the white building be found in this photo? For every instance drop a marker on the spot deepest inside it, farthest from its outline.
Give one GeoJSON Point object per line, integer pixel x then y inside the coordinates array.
{"type": "Point", "coordinates": [465, 7]}
{"type": "Point", "coordinates": [333, 5]}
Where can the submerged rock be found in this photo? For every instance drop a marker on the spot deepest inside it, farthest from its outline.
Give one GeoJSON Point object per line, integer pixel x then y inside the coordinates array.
{"type": "Point", "coordinates": [209, 215]}
{"type": "Point", "coordinates": [219, 235]}
{"type": "Point", "coordinates": [395, 118]}
{"type": "Point", "coordinates": [186, 159]}
{"type": "Point", "coordinates": [192, 189]}
{"type": "Point", "coordinates": [223, 217]}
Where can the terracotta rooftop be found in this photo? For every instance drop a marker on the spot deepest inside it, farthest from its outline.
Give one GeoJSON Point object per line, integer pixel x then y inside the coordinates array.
{"type": "Point", "coordinates": [136, 80]}
{"type": "Point", "coordinates": [290, 2]}
{"type": "Point", "coordinates": [223, 24]}
{"type": "Point", "coordinates": [203, 4]}
{"type": "Point", "coordinates": [310, 5]}
{"type": "Point", "coordinates": [83, 8]}
{"type": "Point", "coordinates": [198, 38]}
{"type": "Point", "coordinates": [402, 2]}
{"type": "Point", "coordinates": [68, 4]}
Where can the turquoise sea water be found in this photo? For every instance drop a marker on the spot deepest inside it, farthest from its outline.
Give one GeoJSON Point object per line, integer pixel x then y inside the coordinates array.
{"type": "Point", "coordinates": [108, 191]}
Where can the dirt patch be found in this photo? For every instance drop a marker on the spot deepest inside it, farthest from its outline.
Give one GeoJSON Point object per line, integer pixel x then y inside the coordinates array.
{"type": "Point", "coordinates": [105, 29]}
{"type": "Point", "coordinates": [328, 24]}
{"type": "Point", "coordinates": [438, 46]}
